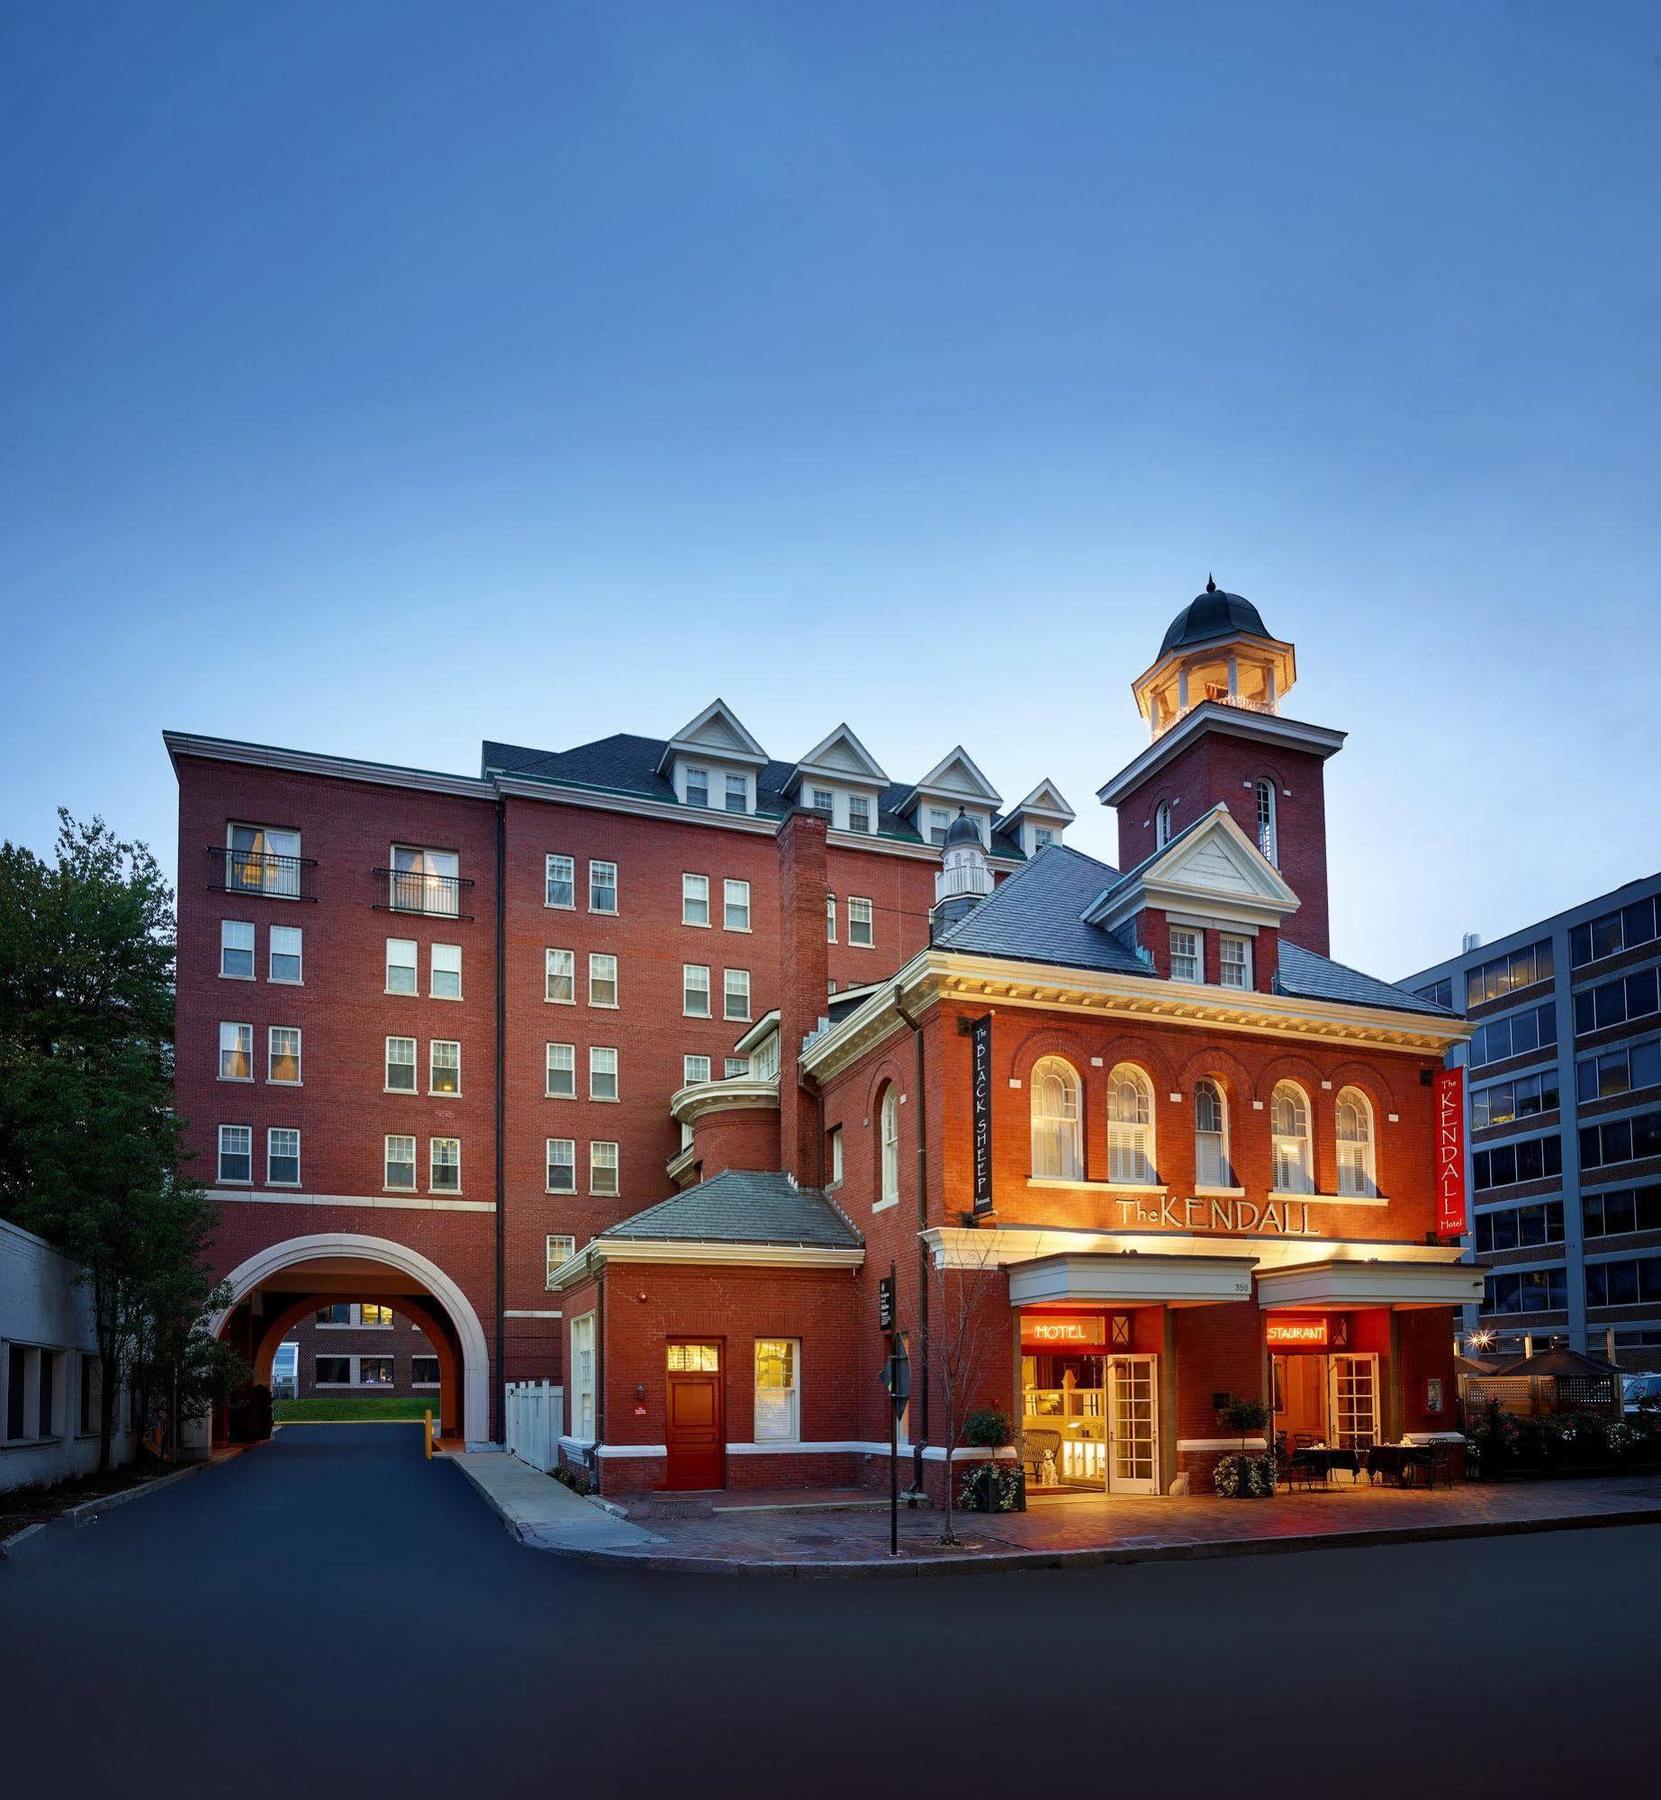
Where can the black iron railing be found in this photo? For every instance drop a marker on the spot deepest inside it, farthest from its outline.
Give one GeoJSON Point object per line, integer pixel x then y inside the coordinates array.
{"type": "Point", "coordinates": [415, 891]}
{"type": "Point", "coordinates": [259, 872]}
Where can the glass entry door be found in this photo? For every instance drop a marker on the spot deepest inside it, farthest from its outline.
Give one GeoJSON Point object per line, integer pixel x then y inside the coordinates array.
{"type": "Point", "coordinates": [1133, 1424]}
{"type": "Point", "coordinates": [1354, 1401]}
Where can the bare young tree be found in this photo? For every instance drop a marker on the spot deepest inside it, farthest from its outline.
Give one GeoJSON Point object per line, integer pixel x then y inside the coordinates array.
{"type": "Point", "coordinates": [964, 1345]}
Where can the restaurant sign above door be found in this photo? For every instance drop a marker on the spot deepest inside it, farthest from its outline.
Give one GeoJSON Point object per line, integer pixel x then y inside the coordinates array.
{"type": "Point", "coordinates": [1306, 1331]}
{"type": "Point", "coordinates": [1063, 1331]}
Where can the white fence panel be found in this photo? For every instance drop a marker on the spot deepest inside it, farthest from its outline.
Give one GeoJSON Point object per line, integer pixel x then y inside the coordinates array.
{"type": "Point", "coordinates": [535, 1416]}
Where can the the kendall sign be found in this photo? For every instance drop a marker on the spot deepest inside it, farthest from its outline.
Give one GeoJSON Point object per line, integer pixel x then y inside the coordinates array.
{"type": "Point", "coordinates": [1452, 1219]}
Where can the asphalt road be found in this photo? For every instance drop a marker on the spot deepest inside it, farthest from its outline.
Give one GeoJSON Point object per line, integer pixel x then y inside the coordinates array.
{"type": "Point", "coordinates": [331, 1614]}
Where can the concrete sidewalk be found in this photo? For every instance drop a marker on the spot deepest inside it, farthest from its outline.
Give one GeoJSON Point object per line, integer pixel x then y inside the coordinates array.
{"type": "Point", "coordinates": [545, 1514]}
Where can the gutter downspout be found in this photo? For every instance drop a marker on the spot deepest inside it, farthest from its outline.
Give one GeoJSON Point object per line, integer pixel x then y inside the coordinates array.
{"type": "Point", "coordinates": [498, 1398]}
{"type": "Point", "coordinates": [922, 1247]}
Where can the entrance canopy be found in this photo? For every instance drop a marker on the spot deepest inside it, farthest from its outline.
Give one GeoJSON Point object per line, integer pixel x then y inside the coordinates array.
{"type": "Point", "coordinates": [1378, 1281]}
{"type": "Point", "coordinates": [1129, 1278]}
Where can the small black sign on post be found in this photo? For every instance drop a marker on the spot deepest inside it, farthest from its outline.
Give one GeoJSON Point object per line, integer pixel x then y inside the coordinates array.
{"type": "Point", "coordinates": [885, 1303]}
{"type": "Point", "coordinates": [980, 1049]}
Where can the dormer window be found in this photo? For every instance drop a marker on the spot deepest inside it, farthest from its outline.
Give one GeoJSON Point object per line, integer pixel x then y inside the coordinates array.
{"type": "Point", "coordinates": [824, 801]}
{"type": "Point", "coordinates": [940, 822]}
{"type": "Point", "coordinates": [1187, 954]}
{"type": "Point", "coordinates": [1266, 822]}
{"type": "Point", "coordinates": [859, 812]}
{"type": "Point", "coordinates": [697, 787]}
{"type": "Point", "coordinates": [1042, 837]}
{"type": "Point", "coordinates": [1162, 825]}
{"type": "Point", "coordinates": [738, 793]}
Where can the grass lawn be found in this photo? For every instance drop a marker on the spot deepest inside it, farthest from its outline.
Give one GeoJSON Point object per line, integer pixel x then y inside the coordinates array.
{"type": "Point", "coordinates": [368, 1409]}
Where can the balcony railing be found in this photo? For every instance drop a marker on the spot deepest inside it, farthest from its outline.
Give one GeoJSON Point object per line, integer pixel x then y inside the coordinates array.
{"type": "Point", "coordinates": [258, 872]}
{"type": "Point", "coordinates": [415, 891]}
{"type": "Point", "coordinates": [966, 878]}
{"type": "Point", "coordinates": [1239, 701]}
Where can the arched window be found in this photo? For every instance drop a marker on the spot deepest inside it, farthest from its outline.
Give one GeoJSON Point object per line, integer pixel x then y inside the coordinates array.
{"type": "Point", "coordinates": [1130, 1146]}
{"type": "Point", "coordinates": [1211, 1165]}
{"type": "Point", "coordinates": [1289, 1129]}
{"type": "Point", "coordinates": [1266, 821]}
{"type": "Point", "coordinates": [888, 1120]}
{"type": "Point", "coordinates": [1057, 1131]}
{"type": "Point", "coordinates": [1356, 1171]}
{"type": "Point", "coordinates": [1162, 825]}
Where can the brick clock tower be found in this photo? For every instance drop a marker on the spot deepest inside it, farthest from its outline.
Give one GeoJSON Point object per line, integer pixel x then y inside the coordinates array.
{"type": "Point", "coordinates": [1212, 699]}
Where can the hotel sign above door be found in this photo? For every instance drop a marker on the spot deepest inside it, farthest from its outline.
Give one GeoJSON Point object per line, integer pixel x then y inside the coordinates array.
{"type": "Point", "coordinates": [1278, 1218]}
{"type": "Point", "coordinates": [1063, 1331]}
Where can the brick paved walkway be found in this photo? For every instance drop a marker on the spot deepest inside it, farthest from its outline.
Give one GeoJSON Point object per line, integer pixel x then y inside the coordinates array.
{"type": "Point", "coordinates": [1088, 1528]}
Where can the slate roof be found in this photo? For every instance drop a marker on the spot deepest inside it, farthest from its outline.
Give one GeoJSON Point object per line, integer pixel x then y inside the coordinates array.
{"type": "Point", "coordinates": [1212, 614]}
{"type": "Point", "coordinates": [627, 764]}
{"type": "Point", "coordinates": [1312, 977]}
{"type": "Point", "coordinates": [742, 1206]}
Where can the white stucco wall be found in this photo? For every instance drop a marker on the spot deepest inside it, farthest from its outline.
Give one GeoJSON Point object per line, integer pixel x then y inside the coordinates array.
{"type": "Point", "coordinates": [44, 1307]}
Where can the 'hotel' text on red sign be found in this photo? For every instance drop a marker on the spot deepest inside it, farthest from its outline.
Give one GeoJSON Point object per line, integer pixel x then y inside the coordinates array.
{"type": "Point", "coordinates": [1451, 1218]}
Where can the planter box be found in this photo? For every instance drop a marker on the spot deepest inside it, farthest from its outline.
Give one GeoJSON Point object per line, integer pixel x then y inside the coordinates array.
{"type": "Point", "coordinates": [978, 1497]}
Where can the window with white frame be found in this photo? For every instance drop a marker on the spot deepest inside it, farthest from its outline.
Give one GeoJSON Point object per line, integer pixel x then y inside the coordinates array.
{"type": "Point", "coordinates": [444, 1165]}
{"type": "Point", "coordinates": [236, 949]}
{"type": "Point", "coordinates": [602, 979]}
{"type": "Point", "coordinates": [735, 993]}
{"type": "Point", "coordinates": [1187, 954]}
{"type": "Point", "coordinates": [1353, 1129]}
{"type": "Point", "coordinates": [694, 1069]}
{"type": "Point", "coordinates": [282, 1156]}
{"type": "Point", "coordinates": [1266, 839]}
{"type": "Point", "coordinates": [236, 1052]}
{"type": "Point", "coordinates": [1236, 961]}
{"type": "Point", "coordinates": [400, 1164]}
{"type": "Point", "coordinates": [1130, 1129]}
{"type": "Point", "coordinates": [940, 822]}
{"type": "Point", "coordinates": [236, 1153]}
{"type": "Point", "coordinates": [602, 1072]}
{"type": "Point", "coordinates": [602, 887]}
{"type": "Point", "coordinates": [697, 787]}
{"type": "Point", "coordinates": [735, 914]}
{"type": "Point", "coordinates": [401, 976]}
{"type": "Point", "coordinates": [1162, 825]}
{"type": "Point", "coordinates": [859, 812]}
{"type": "Point", "coordinates": [824, 803]}
{"type": "Point", "coordinates": [1057, 1122]}
{"type": "Point", "coordinates": [695, 990]}
{"type": "Point", "coordinates": [562, 1071]}
{"type": "Point", "coordinates": [560, 882]}
{"type": "Point", "coordinates": [738, 793]}
{"type": "Point", "coordinates": [582, 1378]}
{"type": "Point", "coordinates": [736, 1065]}
{"type": "Point", "coordinates": [888, 1131]}
{"type": "Point", "coordinates": [694, 899]}
{"type": "Point", "coordinates": [830, 918]}
{"type": "Point", "coordinates": [1289, 1135]}
{"type": "Point", "coordinates": [444, 1066]}
{"type": "Point", "coordinates": [560, 1251]}
{"type": "Point", "coordinates": [282, 1055]}
{"type": "Point", "coordinates": [778, 1399]}
{"type": "Point", "coordinates": [764, 1059]}
{"type": "Point", "coordinates": [861, 928]}
{"type": "Point", "coordinates": [1042, 837]}
{"type": "Point", "coordinates": [400, 1065]}
{"type": "Point", "coordinates": [446, 972]}
{"type": "Point", "coordinates": [836, 1156]}
{"type": "Point", "coordinates": [562, 1165]}
{"type": "Point", "coordinates": [560, 977]}
{"type": "Point", "coordinates": [602, 1167]}
{"type": "Point", "coordinates": [287, 942]}
{"type": "Point", "coordinates": [1211, 1162]}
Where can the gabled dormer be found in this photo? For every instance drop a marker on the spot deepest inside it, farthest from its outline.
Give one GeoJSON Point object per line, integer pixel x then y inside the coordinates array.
{"type": "Point", "coordinates": [1206, 908]}
{"type": "Point", "coordinates": [840, 779]}
{"type": "Point", "coordinates": [953, 783]}
{"type": "Point", "coordinates": [714, 762]}
{"type": "Point", "coordinates": [1039, 820]}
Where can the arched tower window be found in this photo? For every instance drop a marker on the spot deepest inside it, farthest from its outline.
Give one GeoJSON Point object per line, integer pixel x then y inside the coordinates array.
{"type": "Point", "coordinates": [1057, 1129]}
{"type": "Point", "coordinates": [1357, 1172]}
{"type": "Point", "coordinates": [1211, 1165]}
{"type": "Point", "coordinates": [1289, 1129]}
{"type": "Point", "coordinates": [1162, 825]}
{"type": "Point", "coordinates": [888, 1122]}
{"type": "Point", "coordinates": [1267, 840]}
{"type": "Point", "coordinates": [1130, 1132]}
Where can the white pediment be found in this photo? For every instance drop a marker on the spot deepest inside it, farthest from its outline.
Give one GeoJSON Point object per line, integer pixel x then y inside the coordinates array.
{"type": "Point", "coordinates": [718, 733]}
{"type": "Point", "coordinates": [1044, 802]}
{"type": "Point", "coordinates": [954, 777]}
{"type": "Point", "coordinates": [841, 757]}
{"type": "Point", "coordinates": [1212, 868]}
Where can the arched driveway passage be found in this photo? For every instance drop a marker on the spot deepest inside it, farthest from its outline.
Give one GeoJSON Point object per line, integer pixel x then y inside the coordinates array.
{"type": "Point", "coordinates": [352, 1248]}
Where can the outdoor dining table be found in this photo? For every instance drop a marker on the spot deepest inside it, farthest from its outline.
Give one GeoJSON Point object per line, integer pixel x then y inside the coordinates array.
{"type": "Point", "coordinates": [1397, 1461]}
{"type": "Point", "coordinates": [1318, 1457]}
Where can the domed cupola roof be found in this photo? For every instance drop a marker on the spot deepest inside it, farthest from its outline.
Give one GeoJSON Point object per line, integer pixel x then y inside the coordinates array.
{"type": "Point", "coordinates": [963, 830]}
{"type": "Point", "coordinates": [1210, 615]}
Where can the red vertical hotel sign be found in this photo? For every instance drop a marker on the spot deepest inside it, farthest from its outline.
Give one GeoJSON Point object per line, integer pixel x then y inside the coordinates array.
{"type": "Point", "coordinates": [1451, 1218]}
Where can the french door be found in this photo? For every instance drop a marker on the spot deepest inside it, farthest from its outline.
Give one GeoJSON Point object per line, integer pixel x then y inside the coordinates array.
{"type": "Point", "coordinates": [1133, 1425]}
{"type": "Point", "coordinates": [1352, 1389]}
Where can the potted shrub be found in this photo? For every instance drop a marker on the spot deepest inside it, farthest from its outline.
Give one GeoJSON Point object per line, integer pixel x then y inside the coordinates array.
{"type": "Point", "coordinates": [993, 1485]}
{"type": "Point", "coordinates": [1244, 1475]}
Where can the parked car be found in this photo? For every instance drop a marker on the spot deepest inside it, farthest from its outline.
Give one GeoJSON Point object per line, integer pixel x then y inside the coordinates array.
{"type": "Point", "coordinates": [1641, 1393]}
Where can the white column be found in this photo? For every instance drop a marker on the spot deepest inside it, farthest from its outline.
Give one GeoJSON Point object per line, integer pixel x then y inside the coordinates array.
{"type": "Point", "coordinates": [1233, 678]}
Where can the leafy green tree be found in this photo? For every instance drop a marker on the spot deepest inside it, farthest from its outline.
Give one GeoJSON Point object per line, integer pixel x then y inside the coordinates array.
{"type": "Point", "coordinates": [91, 1155]}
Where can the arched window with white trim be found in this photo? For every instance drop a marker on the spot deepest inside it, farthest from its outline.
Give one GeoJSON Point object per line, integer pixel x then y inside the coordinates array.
{"type": "Point", "coordinates": [1130, 1133]}
{"type": "Point", "coordinates": [1357, 1171]}
{"type": "Point", "coordinates": [1289, 1130]}
{"type": "Point", "coordinates": [888, 1120]}
{"type": "Point", "coordinates": [1057, 1126]}
{"type": "Point", "coordinates": [1267, 840]}
{"type": "Point", "coordinates": [1162, 825]}
{"type": "Point", "coordinates": [1211, 1164]}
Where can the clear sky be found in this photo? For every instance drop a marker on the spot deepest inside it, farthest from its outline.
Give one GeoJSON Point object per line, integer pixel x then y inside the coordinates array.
{"type": "Point", "coordinates": [378, 378]}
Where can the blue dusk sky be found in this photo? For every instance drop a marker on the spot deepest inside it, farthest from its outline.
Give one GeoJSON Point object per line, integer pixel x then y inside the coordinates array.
{"type": "Point", "coordinates": [378, 378]}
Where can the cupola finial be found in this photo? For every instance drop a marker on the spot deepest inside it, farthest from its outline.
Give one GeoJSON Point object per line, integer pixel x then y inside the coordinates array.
{"type": "Point", "coordinates": [1210, 585]}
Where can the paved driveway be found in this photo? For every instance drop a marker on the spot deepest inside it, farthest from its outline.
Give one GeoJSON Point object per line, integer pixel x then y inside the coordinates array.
{"type": "Point", "coordinates": [331, 1613]}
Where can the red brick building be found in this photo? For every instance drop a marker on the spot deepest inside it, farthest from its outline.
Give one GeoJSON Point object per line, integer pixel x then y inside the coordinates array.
{"type": "Point", "coordinates": [1129, 1141]}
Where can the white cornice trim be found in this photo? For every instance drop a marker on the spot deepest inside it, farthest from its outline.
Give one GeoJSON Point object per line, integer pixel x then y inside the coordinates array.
{"type": "Point", "coordinates": [999, 1246]}
{"type": "Point", "coordinates": [1231, 721]}
{"type": "Point", "coordinates": [339, 768]}
{"type": "Point", "coordinates": [602, 1251]}
{"type": "Point", "coordinates": [386, 1202]}
{"type": "Point", "coordinates": [736, 1093]}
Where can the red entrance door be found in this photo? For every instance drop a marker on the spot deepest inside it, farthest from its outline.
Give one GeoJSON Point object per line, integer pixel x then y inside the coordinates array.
{"type": "Point", "coordinates": [697, 1430]}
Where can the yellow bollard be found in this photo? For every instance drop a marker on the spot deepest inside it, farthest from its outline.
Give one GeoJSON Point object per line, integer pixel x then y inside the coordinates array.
{"type": "Point", "coordinates": [427, 1431]}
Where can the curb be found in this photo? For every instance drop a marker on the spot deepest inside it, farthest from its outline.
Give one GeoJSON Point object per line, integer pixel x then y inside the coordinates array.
{"type": "Point", "coordinates": [509, 1524]}
{"type": "Point", "coordinates": [88, 1510]}
{"type": "Point", "coordinates": [17, 1537]}
{"type": "Point", "coordinates": [1198, 1550]}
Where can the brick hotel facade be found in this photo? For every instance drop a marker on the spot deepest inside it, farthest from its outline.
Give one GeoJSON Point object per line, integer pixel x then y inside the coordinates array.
{"type": "Point", "coordinates": [636, 1066]}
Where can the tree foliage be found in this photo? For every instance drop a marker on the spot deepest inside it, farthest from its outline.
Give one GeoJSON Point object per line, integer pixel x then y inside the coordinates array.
{"type": "Point", "coordinates": [91, 1155]}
